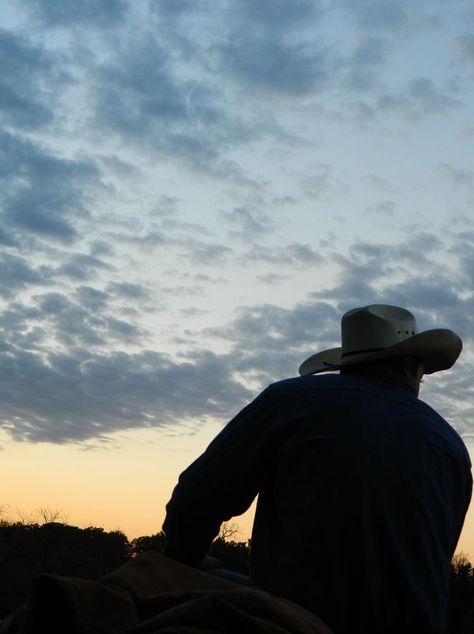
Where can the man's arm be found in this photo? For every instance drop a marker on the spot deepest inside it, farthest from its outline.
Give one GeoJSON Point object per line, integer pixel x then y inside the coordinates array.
{"type": "Point", "coordinates": [222, 482]}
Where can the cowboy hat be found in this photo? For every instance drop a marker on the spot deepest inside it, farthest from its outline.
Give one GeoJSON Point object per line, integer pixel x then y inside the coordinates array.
{"type": "Point", "coordinates": [380, 331]}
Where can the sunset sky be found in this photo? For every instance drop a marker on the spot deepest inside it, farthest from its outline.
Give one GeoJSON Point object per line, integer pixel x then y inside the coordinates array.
{"type": "Point", "coordinates": [192, 193]}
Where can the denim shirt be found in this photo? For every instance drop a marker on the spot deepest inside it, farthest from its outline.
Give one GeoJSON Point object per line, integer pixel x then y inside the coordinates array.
{"type": "Point", "coordinates": [363, 489]}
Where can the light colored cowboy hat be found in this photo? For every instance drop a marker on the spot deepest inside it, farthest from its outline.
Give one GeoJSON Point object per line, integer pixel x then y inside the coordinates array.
{"type": "Point", "coordinates": [379, 332]}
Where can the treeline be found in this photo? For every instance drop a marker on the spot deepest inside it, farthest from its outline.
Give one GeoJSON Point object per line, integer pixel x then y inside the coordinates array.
{"type": "Point", "coordinates": [28, 549]}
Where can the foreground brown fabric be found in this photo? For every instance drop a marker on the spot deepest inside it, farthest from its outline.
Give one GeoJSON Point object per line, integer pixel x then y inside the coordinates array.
{"type": "Point", "coordinates": [156, 594]}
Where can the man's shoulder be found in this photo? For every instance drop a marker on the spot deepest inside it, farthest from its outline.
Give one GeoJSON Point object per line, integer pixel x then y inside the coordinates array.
{"type": "Point", "coordinates": [449, 437]}
{"type": "Point", "coordinates": [396, 399]}
{"type": "Point", "coordinates": [313, 382]}
{"type": "Point", "coordinates": [302, 388]}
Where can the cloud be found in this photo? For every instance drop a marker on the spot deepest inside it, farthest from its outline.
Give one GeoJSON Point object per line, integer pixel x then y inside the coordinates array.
{"type": "Point", "coordinates": [83, 318]}
{"type": "Point", "coordinates": [431, 293]}
{"type": "Point", "coordinates": [384, 208]}
{"type": "Point", "coordinates": [25, 90]}
{"type": "Point", "coordinates": [429, 98]}
{"type": "Point", "coordinates": [367, 274]}
{"type": "Point", "coordinates": [262, 51]}
{"type": "Point", "coordinates": [101, 248]}
{"type": "Point", "coordinates": [91, 13]}
{"type": "Point", "coordinates": [366, 62]}
{"type": "Point", "coordinates": [280, 13]}
{"type": "Point", "coordinates": [8, 239]}
{"type": "Point", "coordinates": [161, 95]}
{"type": "Point", "coordinates": [128, 290]}
{"type": "Point", "coordinates": [81, 267]}
{"type": "Point", "coordinates": [85, 324]}
{"type": "Point", "coordinates": [182, 239]}
{"type": "Point", "coordinates": [459, 177]}
{"type": "Point", "coordinates": [264, 62]}
{"type": "Point", "coordinates": [418, 98]}
{"type": "Point", "coordinates": [166, 206]}
{"type": "Point", "coordinates": [380, 184]}
{"type": "Point", "coordinates": [294, 255]}
{"type": "Point", "coordinates": [250, 223]}
{"type": "Point", "coordinates": [73, 347]}
{"type": "Point", "coordinates": [95, 395]}
{"type": "Point", "coordinates": [148, 241]}
{"type": "Point", "coordinates": [172, 8]}
{"type": "Point", "coordinates": [322, 183]}
{"type": "Point", "coordinates": [139, 96]}
{"type": "Point", "coordinates": [91, 298]}
{"type": "Point", "coordinates": [16, 274]}
{"type": "Point", "coordinates": [120, 168]}
{"type": "Point", "coordinates": [265, 45]}
{"type": "Point", "coordinates": [465, 46]}
{"type": "Point", "coordinates": [356, 281]}
{"type": "Point", "coordinates": [466, 260]}
{"type": "Point", "coordinates": [380, 15]}
{"type": "Point", "coordinates": [270, 342]}
{"type": "Point", "coordinates": [272, 279]}
{"type": "Point", "coordinates": [423, 273]}
{"type": "Point", "coordinates": [204, 253]}
{"type": "Point", "coordinates": [41, 193]}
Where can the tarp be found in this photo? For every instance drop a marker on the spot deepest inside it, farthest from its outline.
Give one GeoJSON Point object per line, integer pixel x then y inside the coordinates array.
{"type": "Point", "coordinates": [154, 594]}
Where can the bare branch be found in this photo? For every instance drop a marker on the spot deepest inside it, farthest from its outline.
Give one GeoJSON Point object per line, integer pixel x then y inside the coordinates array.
{"type": "Point", "coordinates": [49, 515]}
{"type": "Point", "coordinates": [228, 530]}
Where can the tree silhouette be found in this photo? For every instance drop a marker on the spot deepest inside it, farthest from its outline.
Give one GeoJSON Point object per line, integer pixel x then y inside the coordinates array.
{"type": "Point", "coordinates": [461, 598]}
{"type": "Point", "coordinates": [140, 545]}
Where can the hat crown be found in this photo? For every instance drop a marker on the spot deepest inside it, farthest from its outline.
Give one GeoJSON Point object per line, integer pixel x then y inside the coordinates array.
{"type": "Point", "coordinates": [375, 327]}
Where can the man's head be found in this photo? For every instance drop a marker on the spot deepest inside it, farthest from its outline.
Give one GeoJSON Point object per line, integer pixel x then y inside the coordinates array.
{"type": "Point", "coordinates": [411, 368]}
{"type": "Point", "coordinates": [414, 369]}
{"type": "Point", "coordinates": [379, 332]}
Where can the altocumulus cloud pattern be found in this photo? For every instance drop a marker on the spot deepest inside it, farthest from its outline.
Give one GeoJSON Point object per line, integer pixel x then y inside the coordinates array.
{"type": "Point", "coordinates": [192, 193]}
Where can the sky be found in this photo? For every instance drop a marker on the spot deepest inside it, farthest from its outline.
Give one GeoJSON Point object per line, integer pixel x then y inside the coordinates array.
{"type": "Point", "coordinates": [192, 193]}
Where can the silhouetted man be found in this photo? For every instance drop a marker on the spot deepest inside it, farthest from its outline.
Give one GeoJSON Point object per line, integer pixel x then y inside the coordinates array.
{"type": "Point", "coordinates": [363, 488]}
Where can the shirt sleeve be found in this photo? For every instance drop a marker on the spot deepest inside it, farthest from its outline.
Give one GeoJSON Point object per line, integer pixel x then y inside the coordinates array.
{"type": "Point", "coordinates": [222, 482]}
{"type": "Point", "coordinates": [467, 495]}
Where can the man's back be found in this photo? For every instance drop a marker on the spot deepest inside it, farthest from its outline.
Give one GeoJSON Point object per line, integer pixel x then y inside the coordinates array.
{"type": "Point", "coordinates": [362, 504]}
{"type": "Point", "coordinates": [362, 488]}
{"type": "Point", "coordinates": [362, 494]}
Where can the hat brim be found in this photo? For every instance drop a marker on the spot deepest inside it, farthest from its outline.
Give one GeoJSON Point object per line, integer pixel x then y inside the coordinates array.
{"type": "Point", "coordinates": [439, 349]}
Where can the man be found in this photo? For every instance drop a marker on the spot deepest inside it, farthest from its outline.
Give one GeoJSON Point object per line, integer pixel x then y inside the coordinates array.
{"type": "Point", "coordinates": [363, 488]}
